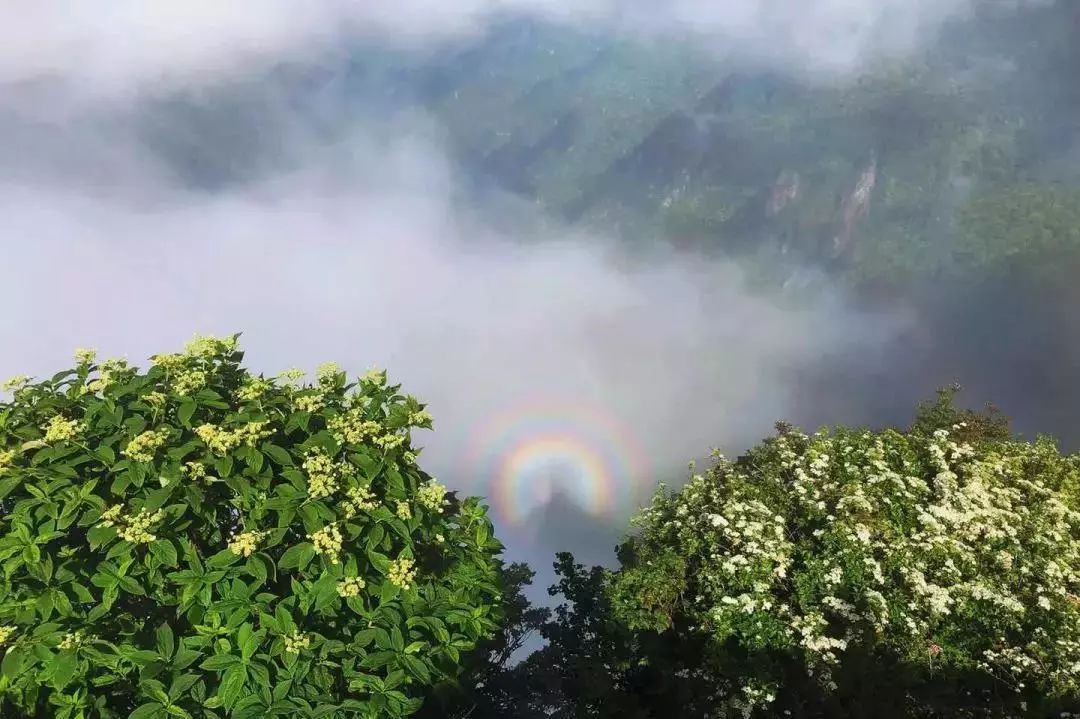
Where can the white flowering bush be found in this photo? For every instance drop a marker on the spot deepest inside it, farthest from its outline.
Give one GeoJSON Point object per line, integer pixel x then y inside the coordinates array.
{"type": "Point", "coordinates": [943, 554]}
{"type": "Point", "coordinates": [197, 541]}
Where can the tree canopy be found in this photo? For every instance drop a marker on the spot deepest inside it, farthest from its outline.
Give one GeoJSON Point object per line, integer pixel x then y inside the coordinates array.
{"type": "Point", "coordinates": [199, 541]}
{"type": "Point", "coordinates": [933, 571]}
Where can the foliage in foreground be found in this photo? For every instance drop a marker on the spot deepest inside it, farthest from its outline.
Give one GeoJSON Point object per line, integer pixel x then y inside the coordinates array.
{"type": "Point", "coordinates": [197, 541]}
{"type": "Point", "coordinates": [928, 572]}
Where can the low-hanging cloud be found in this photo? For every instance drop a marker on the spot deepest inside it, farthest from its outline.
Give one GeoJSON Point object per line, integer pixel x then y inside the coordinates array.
{"type": "Point", "coordinates": [365, 252]}
{"type": "Point", "coordinates": [151, 47]}
{"type": "Point", "coordinates": [366, 249]}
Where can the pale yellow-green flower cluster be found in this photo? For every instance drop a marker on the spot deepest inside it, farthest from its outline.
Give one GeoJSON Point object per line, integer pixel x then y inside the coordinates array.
{"type": "Point", "coordinates": [7, 458]}
{"type": "Point", "coordinates": [358, 499]}
{"type": "Point", "coordinates": [156, 400]}
{"type": "Point", "coordinates": [138, 527]}
{"type": "Point", "coordinates": [308, 403]}
{"type": "Point", "coordinates": [61, 430]}
{"type": "Point", "coordinates": [327, 542]}
{"type": "Point", "coordinates": [350, 587]}
{"type": "Point", "coordinates": [404, 511]}
{"type": "Point", "coordinates": [296, 643]}
{"type": "Point", "coordinates": [432, 495]}
{"type": "Point", "coordinates": [222, 441]}
{"type": "Point", "coordinates": [134, 529]}
{"type": "Point", "coordinates": [322, 473]}
{"type": "Point", "coordinates": [390, 442]}
{"type": "Point", "coordinates": [6, 632]}
{"type": "Point", "coordinates": [15, 383]}
{"type": "Point", "coordinates": [194, 470]}
{"type": "Point", "coordinates": [111, 515]}
{"type": "Point", "coordinates": [351, 428]}
{"type": "Point", "coordinates": [85, 357]}
{"type": "Point", "coordinates": [110, 372]}
{"type": "Point", "coordinates": [421, 418]}
{"type": "Point", "coordinates": [170, 362]}
{"type": "Point", "coordinates": [208, 346]}
{"type": "Point", "coordinates": [292, 376]}
{"type": "Point", "coordinates": [74, 640]}
{"type": "Point", "coordinates": [375, 376]}
{"type": "Point", "coordinates": [327, 373]}
{"type": "Point", "coordinates": [246, 543]}
{"type": "Point", "coordinates": [254, 388]}
{"type": "Point", "coordinates": [402, 572]}
{"type": "Point", "coordinates": [144, 447]}
{"type": "Point", "coordinates": [189, 381]}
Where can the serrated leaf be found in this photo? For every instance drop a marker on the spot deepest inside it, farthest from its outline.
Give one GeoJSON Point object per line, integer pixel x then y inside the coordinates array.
{"type": "Point", "coordinates": [232, 685]}
{"type": "Point", "coordinates": [164, 551]}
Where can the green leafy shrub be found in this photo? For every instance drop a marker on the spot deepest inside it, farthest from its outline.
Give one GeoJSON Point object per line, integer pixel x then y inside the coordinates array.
{"type": "Point", "coordinates": [197, 541]}
{"type": "Point", "coordinates": [933, 572]}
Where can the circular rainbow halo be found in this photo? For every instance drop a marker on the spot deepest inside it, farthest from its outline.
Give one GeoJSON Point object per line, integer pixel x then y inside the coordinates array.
{"type": "Point", "coordinates": [533, 452]}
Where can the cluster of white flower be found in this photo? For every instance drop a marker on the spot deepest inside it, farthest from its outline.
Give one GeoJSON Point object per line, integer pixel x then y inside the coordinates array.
{"type": "Point", "coordinates": [909, 536]}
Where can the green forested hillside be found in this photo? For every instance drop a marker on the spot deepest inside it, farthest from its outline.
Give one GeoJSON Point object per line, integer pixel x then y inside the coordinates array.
{"type": "Point", "coordinates": [671, 141]}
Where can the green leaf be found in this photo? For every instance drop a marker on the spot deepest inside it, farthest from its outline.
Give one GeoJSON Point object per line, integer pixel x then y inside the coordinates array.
{"type": "Point", "coordinates": [388, 592]}
{"type": "Point", "coordinates": [185, 412]}
{"type": "Point", "coordinates": [164, 551]}
{"type": "Point", "coordinates": [181, 684]}
{"type": "Point", "coordinates": [63, 668]}
{"type": "Point", "coordinates": [165, 641]}
{"type": "Point", "coordinates": [13, 662]}
{"type": "Point", "coordinates": [219, 662]}
{"type": "Point", "coordinates": [381, 562]}
{"type": "Point", "coordinates": [232, 685]}
{"type": "Point", "coordinates": [375, 536]}
{"type": "Point", "coordinates": [278, 454]}
{"type": "Point", "coordinates": [224, 558]}
{"type": "Point", "coordinates": [148, 711]}
{"type": "Point", "coordinates": [297, 556]}
{"type": "Point", "coordinates": [417, 667]}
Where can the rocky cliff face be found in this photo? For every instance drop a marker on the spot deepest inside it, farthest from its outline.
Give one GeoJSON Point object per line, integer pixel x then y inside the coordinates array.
{"type": "Point", "coordinates": [855, 208]}
{"type": "Point", "coordinates": [784, 191]}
